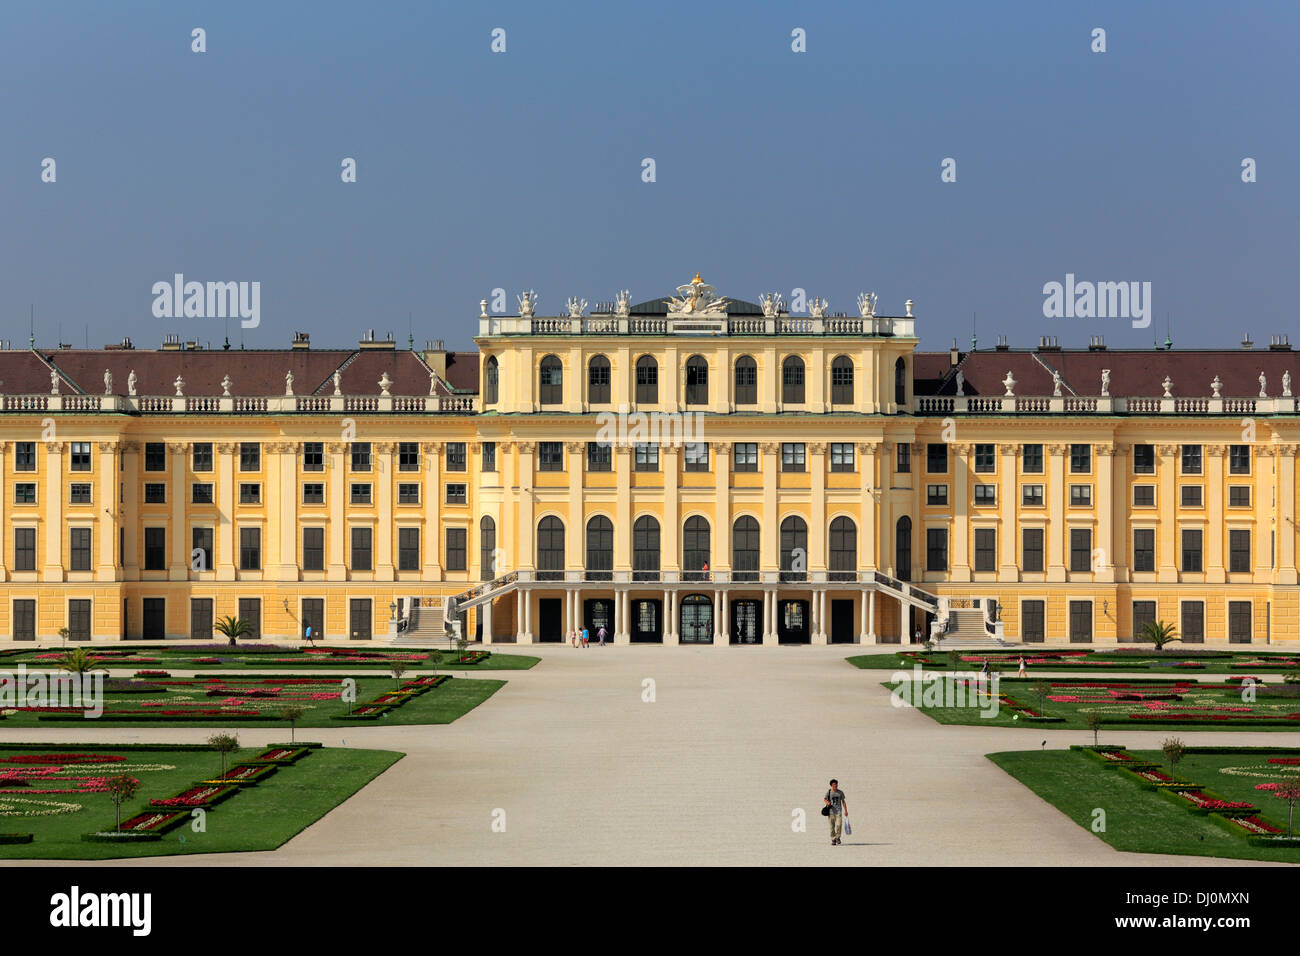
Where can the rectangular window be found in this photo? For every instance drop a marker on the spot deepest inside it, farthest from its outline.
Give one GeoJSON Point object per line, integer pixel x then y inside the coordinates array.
{"type": "Point", "coordinates": [313, 493]}
{"type": "Point", "coordinates": [200, 619]}
{"type": "Point", "coordinates": [313, 617]}
{"type": "Point", "coordinates": [550, 456]}
{"type": "Point", "coordinates": [744, 456]}
{"type": "Point", "coordinates": [936, 458]}
{"type": "Point", "coordinates": [746, 382]}
{"type": "Point", "coordinates": [1032, 619]}
{"type": "Point", "coordinates": [1144, 459]}
{"type": "Point", "coordinates": [1031, 459]}
{"type": "Point", "coordinates": [1144, 496]}
{"type": "Point", "coordinates": [250, 609]}
{"type": "Point", "coordinates": [313, 456]}
{"type": "Point", "coordinates": [24, 549]}
{"type": "Point", "coordinates": [361, 549]}
{"type": "Point", "coordinates": [1080, 459]}
{"type": "Point", "coordinates": [201, 541]}
{"type": "Point", "coordinates": [599, 456]}
{"type": "Point", "coordinates": [1191, 549]}
{"type": "Point", "coordinates": [842, 456]}
{"type": "Point", "coordinates": [792, 456]}
{"type": "Point", "coordinates": [201, 456]}
{"type": "Point", "coordinates": [361, 493]}
{"type": "Point", "coordinates": [78, 549]}
{"type": "Point", "coordinates": [457, 494]}
{"type": "Point", "coordinates": [1239, 629]}
{"type": "Point", "coordinates": [250, 493]}
{"type": "Point", "coordinates": [647, 457]}
{"type": "Point", "coordinates": [1239, 459]}
{"type": "Point", "coordinates": [1031, 495]}
{"type": "Point", "coordinates": [250, 456]}
{"type": "Point", "coordinates": [1080, 549]}
{"type": "Point", "coordinates": [1031, 549]}
{"type": "Point", "coordinates": [1191, 459]}
{"type": "Point", "coordinates": [361, 456]}
{"type": "Point", "coordinates": [936, 495]}
{"type": "Point", "coordinates": [1239, 496]}
{"type": "Point", "coordinates": [408, 456]}
{"type": "Point", "coordinates": [25, 493]}
{"type": "Point", "coordinates": [1191, 496]}
{"type": "Point", "coordinates": [79, 493]}
{"type": "Point", "coordinates": [1080, 496]}
{"type": "Point", "coordinates": [155, 493]}
{"type": "Point", "coordinates": [79, 456]}
{"type": "Point", "coordinates": [985, 459]}
{"type": "Point", "coordinates": [1193, 630]}
{"type": "Point", "coordinates": [155, 456]}
{"type": "Point", "coordinates": [250, 549]}
{"type": "Point", "coordinates": [456, 457]}
{"type": "Point", "coordinates": [598, 382]}
{"type": "Point", "coordinates": [1144, 549]}
{"type": "Point", "coordinates": [903, 458]}
{"type": "Point", "coordinates": [1239, 550]}
{"type": "Point", "coordinates": [25, 456]}
{"type": "Point", "coordinates": [360, 618]}
{"type": "Point", "coordinates": [79, 620]}
{"type": "Point", "coordinates": [155, 549]}
{"type": "Point", "coordinates": [408, 549]}
{"type": "Point", "coordinates": [488, 455]}
{"type": "Point", "coordinates": [986, 549]}
{"type": "Point", "coordinates": [695, 456]}
{"type": "Point", "coordinates": [313, 549]}
{"type": "Point", "coordinates": [1144, 613]}
{"type": "Point", "coordinates": [408, 493]}
{"type": "Point", "coordinates": [1080, 622]}
{"type": "Point", "coordinates": [936, 549]}
{"type": "Point", "coordinates": [201, 493]}
{"type": "Point", "coordinates": [986, 496]}
{"type": "Point", "coordinates": [455, 544]}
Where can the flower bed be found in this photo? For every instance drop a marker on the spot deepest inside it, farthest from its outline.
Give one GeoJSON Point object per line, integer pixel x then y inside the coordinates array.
{"type": "Point", "coordinates": [245, 774]}
{"type": "Point", "coordinates": [281, 755]}
{"type": "Point", "coordinates": [473, 657]}
{"type": "Point", "coordinates": [153, 821]}
{"type": "Point", "coordinates": [152, 674]}
{"type": "Point", "coordinates": [200, 795]}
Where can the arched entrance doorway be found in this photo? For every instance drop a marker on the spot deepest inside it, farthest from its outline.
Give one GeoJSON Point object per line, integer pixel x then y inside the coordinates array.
{"type": "Point", "coordinates": [792, 622]}
{"type": "Point", "coordinates": [746, 622]}
{"type": "Point", "coordinates": [598, 613]}
{"type": "Point", "coordinates": [696, 619]}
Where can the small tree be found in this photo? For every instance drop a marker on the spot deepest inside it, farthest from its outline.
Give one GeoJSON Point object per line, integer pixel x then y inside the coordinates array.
{"type": "Point", "coordinates": [293, 713]}
{"type": "Point", "coordinates": [223, 744]}
{"type": "Point", "coordinates": [1290, 792]}
{"type": "Point", "coordinates": [1041, 689]}
{"type": "Point", "coordinates": [120, 788]}
{"type": "Point", "coordinates": [1174, 750]}
{"type": "Point", "coordinates": [80, 661]}
{"type": "Point", "coordinates": [233, 627]}
{"type": "Point", "coordinates": [1093, 721]}
{"type": "Point", "coordinates": [462, 645]}
{"type": "Point", "coordinates": [397, 669]}
{"type": "Point", "coordinates": [1159, 633]}
{"type": "Point", "coordinates": [64, 633]}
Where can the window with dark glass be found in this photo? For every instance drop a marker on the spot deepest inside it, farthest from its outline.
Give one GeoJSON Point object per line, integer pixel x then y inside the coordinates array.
{"type": "Point", "coordinates": [936, 458]}
{"type": "Point", "coordinates": [645, 546]}
{"type": "Point", "coordinates": [936, 549]}
{"type": "Point", "coordinates": [744, 548]}
{"type": "Point", "coordinates": [1080, 622]}
{"type": "Point", "coordinates": [457, 493]}
{"type": "Point", "coordinates": [647, 380]}
{"type": "Point", "coordinates": [25, 493]}
{"type": "Point", "coordinates": [1144, 613]}
{"type": "Point", "coordinates": [900, 382]}
{"type": "Point", "coordinates": [1080, 459]}
{"type": "Point", "coordinates": [1032, 621]}
{"type": "Point", "coordinates": [985, 458]}
{"type": "Point", "coordinates": [1191, 459]}
{"type": "Point", "coordinates": [696, 544]}
{"type": "Point", "coordinates": [1031, 549]}
{"type": "Point", "coordinates": [1031, 459]}
{"type": "Point", "coordinates": [155, 455]}
{"type": "Point", "coordinates": [695, 456]}
{"type": "Point", "coordinates": [844, 546]}
{"type": "Point", "coordinates": [250, 609]}
{"type": "Point", "coordinates": [936, 494]}
{"type": "Point", "coordinates": [408, 493]}
{"type": "Point", "coordinates": [600, 544]}
{"type": "Point", "coordinates": [794, 545]}
{"type": "Point", "coordinates": [550, 456]}
{"type": "Point", "coordinates": [25, 549]}
{"type": "Point", "coordinates": [842, 381]}
{"type": "Point", "coordinates": [792, 456]}
{"type": "Point", "coordinates": [1144, 459]}
{"type": "Point", "coordinates": [408, 549]}
{"type": "Point", "coordinates": [456, 456]}
{"type": "Point", "coordinates": [842, 456]}
{"type": "Point", "coordinates": [1239, 628]}
{"type": "Point", "coordinates": [491, 376]}
{"type": "Point", "coordinates": [697, 381]}
{"type": "Point", "coordinates": [360, 456]}
{"type": "Point", "coordinates": [550, 544]}
{"type": "Point", "coordinates": [903, 548]}
{"type": "Point", "coordinates": [1080, 549]}
{"type": "Point", "coordinates": [362, 549]}
{"type": "Point", "coordinates": [201, 541]}
{"type": "Point", "coordinates": [744, 456]}
{"type": "Point", "coordinates": [313, 493]}
{"type": "Point", "coordinates": [25, 456]}
{"type": "Point", "coordinates": [78, 549]}
{"type": "Point", "coordinates": [1239, 496]}
{"type": "Point", "coordinates": [487, 546]}
{"type": "Point", "coordinates": [792, 381]}
{"type": "Point", "coordinates": [79, 493]}
{"type": "Point", "coordinates": [313, 549]}
{"type": "Point", "coordinates": [1144, 496]}
{"type": "Point", "coordinates": [599, 456]}
{"type": "Point", "coordinates": [1239, 550]}
{"type": "Point", "coordinates": [986, 496]}
{"type": "Point", "coordinates": [250, 493]}
{"type": "Point", "coordinates": [488, 455]}
{"type": "Point", "coordinates": [598, 381]}
{"type": "Point", "coordinates": [155, 493]}
{"type": "Point", "coordinates": [551, 377]}
{"type": "Point", "coordinates": [361, 493]}
{"type": "Point", "coordinates": [201, 493]}
{"type": "Point", "coordinates": [155, 549]}
{"type": "Point", "coordinates": [1191, 549]}
{"type": "Point", "coordinates": [1144, 549]}
{"type": "Point", "coordinates": [1193, 629]}
{"type": "Point", "coordinates": [1191, 496]}
{"type": "Point", "coordinates": [986, 549]}
{"type": "Point", "coordinates": [746, 381]}
{"type": "Point", "coordinates": [646, 457]}
{"type": "Point", "coordinates": [201, 456]}
{"type": "Point", "coordinates": [313, 456]}
{"type": "Point", "coordinates": [1080, 496]}
{"type": "Point", "coordinates": [1239, 459]}
{"type": "Point", "coordinates": [408, 456]}
{"type": "Point", "coordinates": [201, 619]}
{"type": "Point", "coordinates": [250, 549]}
{"type": "Point", "coordinates": [1031, 495]}
{"type": "Point", "coordinates": [903, 458]}
{"type": "Point", "coordinates": [250, 456]}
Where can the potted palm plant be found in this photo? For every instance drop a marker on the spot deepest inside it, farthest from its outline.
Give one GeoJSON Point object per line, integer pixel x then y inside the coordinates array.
{"type": "Point", "coordinates": [233, 627]}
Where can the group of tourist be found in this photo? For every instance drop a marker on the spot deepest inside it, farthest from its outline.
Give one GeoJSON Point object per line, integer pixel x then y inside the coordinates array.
{"type": "Point", "coordinates": [582, 638]}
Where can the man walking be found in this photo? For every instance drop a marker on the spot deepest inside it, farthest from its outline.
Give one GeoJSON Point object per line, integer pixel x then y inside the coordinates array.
{"type": "Point", "coordinates": [839, 810]}
{"type": "Point", "coordinates": [585, 637]}
{"type": "Point", "coordinates": [601, 633]}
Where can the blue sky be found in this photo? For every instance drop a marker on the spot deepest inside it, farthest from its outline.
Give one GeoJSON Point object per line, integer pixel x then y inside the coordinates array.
{"type": "Point", "coordinates": [775, 170]}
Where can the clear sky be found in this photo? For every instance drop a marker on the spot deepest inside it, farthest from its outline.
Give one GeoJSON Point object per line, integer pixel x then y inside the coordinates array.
{"type": "Point", "coordinates": [775, 170]}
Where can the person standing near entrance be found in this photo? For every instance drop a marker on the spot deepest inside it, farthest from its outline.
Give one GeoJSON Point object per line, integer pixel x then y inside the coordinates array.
{"type": "Point", "coordinates": [917, 638]}
{"type": "Point", "coordinates": [839, 810]}
{"type": "Point", "coordinates": [586, 637]}
{"type": "Point", "coordinates": [601, 633]}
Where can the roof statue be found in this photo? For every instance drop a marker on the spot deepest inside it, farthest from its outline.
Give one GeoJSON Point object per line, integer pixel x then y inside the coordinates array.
{"type": "Point", "coordinates": [623, 304]}
{"type": "Point", "coordinates": [1056, 384]}
{"type": "Point", "coordinates": [288, 383]}
{"type": "Point", "coordinates": [1263, 386]}
{"type": "Point", "coordinates": [576, 307]}
{"type": "Point", "coordinates": [867, 304]}
{"type": "Point", "coordinates": [771, 304]}
{"type": "Point", "coordinates": [1105, 383]}
{"type": "Point", "coordinates": [1216, 385]}
{"type": "Point", "coordinates": [54, 382]}
{"type": "Point", "coordinates": [385, 383]}
{"type": "Point", "coordinates": [108, 381]}
{"type": "Point", "coordinates": [338, 378]}
{"type": "Point", "coordinates": [697, 298]}
{"type": "Point", "coordinates": [1168, 386]}
{"type": "Point", "coordinates": [180, 387]}
{"type": "Point", "coordinates": [1286, 384]}
{"type": "Point", "coordinates": [817, 307]}
{"type": "Point", "coordinates": [225, 386]}
{"type": "Point", "coordinates": [527, 304]}
{"type": "Point", "coordinates": [130, 383]}
{"type": "Point", "coordinates": [1009, 383]}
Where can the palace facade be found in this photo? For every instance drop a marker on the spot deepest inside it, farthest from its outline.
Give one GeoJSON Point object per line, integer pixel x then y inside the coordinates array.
{"type": "Point", "coordinates": [692, 469]}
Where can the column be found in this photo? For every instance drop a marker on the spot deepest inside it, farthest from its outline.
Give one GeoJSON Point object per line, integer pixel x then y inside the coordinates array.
{"type": "Point", "coordinates": [1105, 514]}
{"type": "Point", "coordinates": [769, 617]}
{"type": "Point", "coordinates": [1056, 512]}
{"type": "Point", "coordinates": [867, 509]}
{"type": "Point", "coordinates": [818, 608]}
{"type": "Point", "coordinates": [722, 505]}
{"type": "Point", "coordinates": [1265, 466]}
{"type": "Point", "coordinates": [527, 636]}
{"type": "Point", "coordinates": [1008, 529]}
{"type": "Point", "coordinates": [1167, 504]}
{"type": "Point", "coordinates": [669, 617]}
{"type": "Point", "coordinates": [671, 551]}
{"type": "Point", "coordinates": [623, 512]}
{"type": "Point", "coordinates": [623, 626]}
{"type": "Point", "coordinates": [384, 532]}
{"type": "Point", "coordinates": [674, 595]}
{"type": "Point", "coordinates": [431, 505]}
{"type": "Point", "coordinates": [817, 517]}
{"type": "Point", "coordinates": [1215, 572]}
{"type": "Point", "coordinates": [871, 617]}
{"type": "Point", "coordinates": [770, 534]}
{"type": "Point", "coordinates": [109, 512]}
{"type": "Point", "coordinates": [961, 513]}
{"type": "Point", "coordinates": [4, 498]}
{"type": "Point", "coordinates": [485, 611]}
{"type": "Point", "coordinates": [1285, 525]}
{"type": "Point", "coordinates": [285, 516]}
{"type": "Point", "coordinates": [576, 532]}
{"type": "Point", "coordinates": [527, 523]}
{"type": "Point", "coordinates": [1119, 544]}
{"type": "Point", "coordinates": [224, 559]}
{"type": "Point", "coordinates": [336, 531]}
{"type": "Point", "coordinates": [54, 527]}
{"type": "Point", "coordinates": [719, 635]}
{"type": "Point", "coordinates": [886, 535]}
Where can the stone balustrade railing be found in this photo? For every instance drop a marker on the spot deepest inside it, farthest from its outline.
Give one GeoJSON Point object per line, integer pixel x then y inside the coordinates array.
{"type": "Point", "coordinates": [1107, 405]}
{"type": "Point", "coordinates": [784, 324]}
{"type": "Point", "coordinates": [242, 404]}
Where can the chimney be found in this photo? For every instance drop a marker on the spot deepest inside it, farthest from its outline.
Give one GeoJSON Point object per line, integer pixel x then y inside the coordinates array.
{"type": "Point", "coordinates": [1280, 343]}
{"type": "Point", "coordinates": [171, 343]}
{"type": "Point", "coordinates": [301, 341]}
{"type": "Point", "coordinates": [1002, 345]}
{"type": "Point", "coordinates": [954, 356]}
{"type": "Point", "coordinates": [1097, 343]}
{"type": "Point", "coordinates": [1246, 343]}
{"type": "Point", "coordinates": [435, 356]}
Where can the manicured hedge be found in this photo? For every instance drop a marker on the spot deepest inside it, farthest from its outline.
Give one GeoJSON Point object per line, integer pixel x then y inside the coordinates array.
{"type": "Point", "coordinates": [16, 838]}
{"type": "Point", "coordinates": [113, 836]}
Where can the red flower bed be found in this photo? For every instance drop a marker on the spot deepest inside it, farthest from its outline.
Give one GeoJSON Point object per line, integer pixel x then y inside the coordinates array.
{"type": "Point", "coordinates": [149, 820]}
{"type": "Point", "coordinates": [63, 758]}
{"type": "Point", "coordinates": [201, 795]}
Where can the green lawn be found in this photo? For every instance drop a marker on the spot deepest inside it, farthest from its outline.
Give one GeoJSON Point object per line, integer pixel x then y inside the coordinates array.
{"type": "Point", "coordinates": [190, 705]}
{"type": "Point", "coordinates": [253, 655]}
{"type": "Point", "coordinates": [1143, 821]}
{"type": "Point", "coordinates": [258, 817]}
{"type": "Point", "coordinates": [1195, 706]}
{"type": "Point", "coordinates": [1172, 660]}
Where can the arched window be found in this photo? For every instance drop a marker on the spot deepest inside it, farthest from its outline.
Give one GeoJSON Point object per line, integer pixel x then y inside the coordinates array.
{"type": "Point", "coordinates": [550, 548]}
{"type": "Point", "coordinates": [600, 549]}
{"type": "Point", "coordinates": [746, 381]}
{"type": "Point", "coordinates": [696, 548]}
{"type": "Point", "coordinates": [645, 549]}
{"type": "Point", "coordinates": [647, 380]}
{"type": "Point", "coordinates": [900, 383]}
{"type": "Point", "coordinates": [744, 549]}
{"type": "Point", "coordinates": [794, 549]}
{"type": "Point", "coordinates": [598, 381]}
{"type": "Point", "coordinates": [491, 376]}
{"type": "Point", "coordinates": [487, 545]}
{"type": "Point", "coordinates": [696, 624]}
{"type": "Point", "coordinates": [903, 548]}
{"type": "Point", "coordinates": [844, 549]}
{"type": "Point", "coordinates": [697, 381]}
{"type": "Point", "coordinates": [792, 381]}
{"type": "Point", "coordinates": [842, 380]}
{"type": "Point", "coordinates": [552, 381]}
